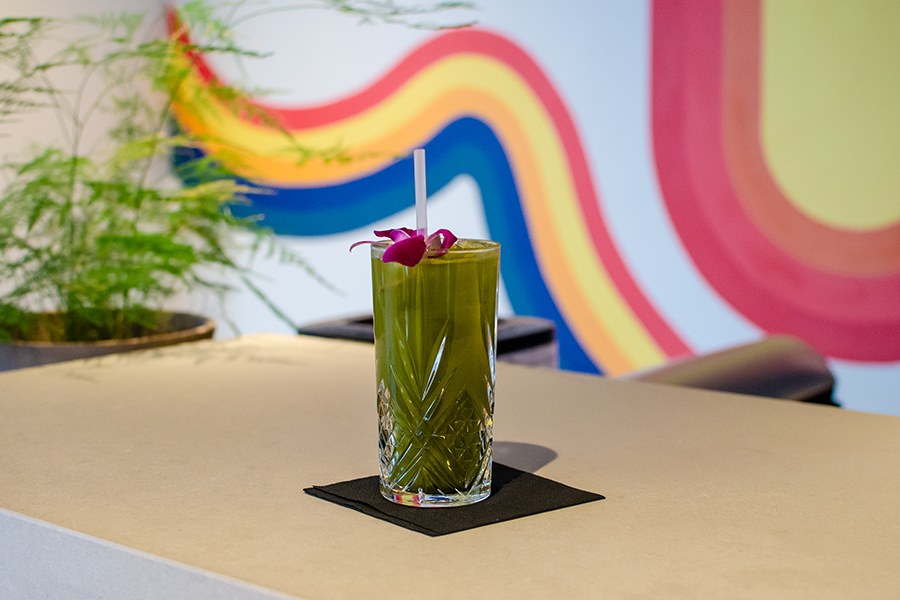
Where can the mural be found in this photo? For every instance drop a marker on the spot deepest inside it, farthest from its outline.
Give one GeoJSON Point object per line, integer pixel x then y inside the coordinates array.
{"type": "Point", "coordinates": [738, 229]}
{"type": "Point", "coordinates": [768, 255]}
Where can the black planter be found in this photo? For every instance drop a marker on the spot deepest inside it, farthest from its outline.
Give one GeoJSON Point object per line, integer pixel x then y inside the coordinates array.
{"type": "Point", "coordinates": [183, 327]}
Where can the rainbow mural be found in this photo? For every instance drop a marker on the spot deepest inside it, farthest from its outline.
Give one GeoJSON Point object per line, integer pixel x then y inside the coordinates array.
{"type": "Point", "coordinates": [481, 106]}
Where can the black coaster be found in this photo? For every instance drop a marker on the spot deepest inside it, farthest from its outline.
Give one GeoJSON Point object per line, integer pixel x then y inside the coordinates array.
{"type": "Point", "coordinates": [514, 494]}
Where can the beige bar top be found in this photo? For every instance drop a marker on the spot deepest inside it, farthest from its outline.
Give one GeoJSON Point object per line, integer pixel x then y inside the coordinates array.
{"type": "Point", "coordinates": [199, 455]}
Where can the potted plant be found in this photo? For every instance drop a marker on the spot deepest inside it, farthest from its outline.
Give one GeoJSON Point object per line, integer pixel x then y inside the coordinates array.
{"type": "Point", "coordinates": [96, 235]}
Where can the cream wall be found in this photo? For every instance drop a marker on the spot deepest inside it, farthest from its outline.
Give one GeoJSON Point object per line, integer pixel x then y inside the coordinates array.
{"type": "Point", "coordinates": [596, 56]}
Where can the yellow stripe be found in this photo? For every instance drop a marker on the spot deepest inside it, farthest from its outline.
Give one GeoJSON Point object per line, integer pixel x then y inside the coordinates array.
{"type": "Point", "coordinates": [830, 108]}
{"type": "Point", "coordinates": [468, 84]}
{"type": "Point", "coordinates": [601, 319]}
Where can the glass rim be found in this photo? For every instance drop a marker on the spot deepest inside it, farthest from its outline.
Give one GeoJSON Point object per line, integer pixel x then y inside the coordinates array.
{"type": "Point", "coordinates": [490, 246]}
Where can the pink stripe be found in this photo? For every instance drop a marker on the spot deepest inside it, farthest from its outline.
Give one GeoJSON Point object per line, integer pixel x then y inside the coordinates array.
{"type": "Point", "coordinates": [495, 47]}
{"type": "Point", "coordinates": [843, 316]}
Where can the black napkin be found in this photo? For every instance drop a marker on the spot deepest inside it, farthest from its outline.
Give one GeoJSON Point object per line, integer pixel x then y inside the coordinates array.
{"type": "Point", "coordinates": [514, 494]}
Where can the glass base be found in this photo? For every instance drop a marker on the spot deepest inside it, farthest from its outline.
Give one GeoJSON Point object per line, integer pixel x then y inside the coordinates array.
{"type": "Point", "coordinates": [423, 500]}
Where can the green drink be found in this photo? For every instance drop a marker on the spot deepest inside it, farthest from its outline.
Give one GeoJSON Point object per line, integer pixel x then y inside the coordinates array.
{"type": "Point", "coordinates": [435, 348]}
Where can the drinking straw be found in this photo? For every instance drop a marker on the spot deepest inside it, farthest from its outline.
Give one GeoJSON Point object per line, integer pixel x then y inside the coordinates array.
{"type": "Point", "coordinates": [421, 217]}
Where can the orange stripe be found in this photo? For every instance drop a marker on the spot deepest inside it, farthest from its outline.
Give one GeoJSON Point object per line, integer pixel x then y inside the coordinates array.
{"type": "Point", "coordinates": [597, 313]}
{"type": "Point", "coordinates": [867, 254]}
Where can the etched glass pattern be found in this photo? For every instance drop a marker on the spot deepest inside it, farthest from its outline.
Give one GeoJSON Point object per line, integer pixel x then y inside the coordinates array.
{"type": "Point", "coordinates": [435, 351]}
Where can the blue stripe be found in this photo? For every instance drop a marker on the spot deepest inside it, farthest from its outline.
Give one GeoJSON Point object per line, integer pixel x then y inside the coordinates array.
{"type": "Point", "coordinates": [464, 147]}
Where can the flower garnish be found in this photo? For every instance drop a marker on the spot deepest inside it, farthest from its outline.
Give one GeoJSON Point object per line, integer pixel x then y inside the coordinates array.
{"type": "Point", "coordinates": [408, 247]}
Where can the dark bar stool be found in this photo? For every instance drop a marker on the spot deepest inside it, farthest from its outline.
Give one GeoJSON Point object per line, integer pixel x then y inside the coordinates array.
{"type": "Point", "coordinates": [521, 340]}
{"type": "Point", "coordinates": [778, 366]}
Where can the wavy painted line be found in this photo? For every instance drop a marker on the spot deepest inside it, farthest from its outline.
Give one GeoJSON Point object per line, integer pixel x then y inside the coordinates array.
{"type": "Point", "coordinates": [857, 253]}
{"type": "Point", "coordinates": [843, 316]}
{"type": "Point", "coordinates": [465, 147]}
{"type": "Point", "coordinates": [590, 284]}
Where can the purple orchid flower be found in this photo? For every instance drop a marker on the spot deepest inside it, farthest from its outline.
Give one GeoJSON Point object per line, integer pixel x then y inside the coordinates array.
{"type": "Point", "coordinates": [408, 247]}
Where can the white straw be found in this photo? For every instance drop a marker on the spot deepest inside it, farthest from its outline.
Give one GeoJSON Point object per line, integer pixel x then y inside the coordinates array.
{"type": "Point", "coordinates": [421, 216]}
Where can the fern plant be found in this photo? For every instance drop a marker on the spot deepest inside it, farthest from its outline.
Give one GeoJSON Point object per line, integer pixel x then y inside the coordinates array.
{"type": "Point", "coordinates": [95, 232]}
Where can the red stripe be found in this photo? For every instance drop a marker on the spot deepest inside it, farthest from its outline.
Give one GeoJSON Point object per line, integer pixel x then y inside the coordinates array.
{"type": "Point", "coordinates": [843, 316]}
{"type": "Point", "coordinates": [498, 48]}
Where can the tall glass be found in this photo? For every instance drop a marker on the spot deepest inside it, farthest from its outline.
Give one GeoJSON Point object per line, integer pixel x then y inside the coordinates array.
{"type": "Point", "coordinates": [435, 348]}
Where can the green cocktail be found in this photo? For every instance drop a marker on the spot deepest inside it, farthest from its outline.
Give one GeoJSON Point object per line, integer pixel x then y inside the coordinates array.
{"type": "Point", "coordinates": [435, 348]}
